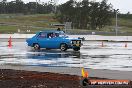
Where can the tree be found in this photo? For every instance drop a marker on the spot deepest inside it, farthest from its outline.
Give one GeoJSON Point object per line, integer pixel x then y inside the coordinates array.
{"type": "Point", "coordinates": [86, 14]}
{"type": "Point", "coordinates": [3, 6]}
{"type": "Point", "coordinates": [19, 6]}
{"type": "Point", "coordinates": [94, 14]}
{"type": "Point", "coordinates": [67, 10]}
{"type": "Point", "coordinates": [105, 13]}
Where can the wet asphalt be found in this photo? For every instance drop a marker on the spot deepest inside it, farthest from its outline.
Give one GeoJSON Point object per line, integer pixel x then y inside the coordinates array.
{"type": "Point", "coordinates": [93, 54]}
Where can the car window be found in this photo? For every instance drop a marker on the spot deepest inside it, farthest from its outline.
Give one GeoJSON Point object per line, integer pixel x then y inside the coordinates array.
{"type": "Point", "coordinates": [62, 34]}
{"type": "Point", "coordinates": [42, 35]}
{"type": "Point", "coordinates": [51, 35]}
{"type": "Point", "coordinates": [56, 34]}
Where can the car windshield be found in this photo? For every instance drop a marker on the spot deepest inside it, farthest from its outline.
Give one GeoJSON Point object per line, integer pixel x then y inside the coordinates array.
{"type": "Point", "coordinates": [60, 34]}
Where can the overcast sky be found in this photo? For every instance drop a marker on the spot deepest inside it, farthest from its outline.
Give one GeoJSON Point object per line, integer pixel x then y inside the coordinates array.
{"type": "Point", "coordinates": [123, 5]}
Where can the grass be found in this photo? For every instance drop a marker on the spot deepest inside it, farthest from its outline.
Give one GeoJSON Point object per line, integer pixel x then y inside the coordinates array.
{"type": "Point", "coordinates": [124, 26]}
{"type": "Point", "coordinates": [9, 29]}
{"type": "Point", "coordinates": [10, 23]}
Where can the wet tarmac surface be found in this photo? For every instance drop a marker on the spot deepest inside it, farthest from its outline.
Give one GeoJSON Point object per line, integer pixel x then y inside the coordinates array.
{"type": "Point", "coordinates": [112, 56]}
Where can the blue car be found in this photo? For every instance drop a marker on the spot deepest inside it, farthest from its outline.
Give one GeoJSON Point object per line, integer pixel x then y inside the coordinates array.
{"type": "Point", "coordinates": [53, 40]}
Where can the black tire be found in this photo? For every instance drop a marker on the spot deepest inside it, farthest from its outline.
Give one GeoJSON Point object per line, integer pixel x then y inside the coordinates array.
{"type": "Point", "coordinates": [85, 82]}
{"type": "Point", "coordinates": [36, 46]}
{"type": "Point", "coordinates": [76, 49]}
{"type": "Point", "coordinates": [48, 49]}
{"type": "Point", "coordinates": [63, 47]}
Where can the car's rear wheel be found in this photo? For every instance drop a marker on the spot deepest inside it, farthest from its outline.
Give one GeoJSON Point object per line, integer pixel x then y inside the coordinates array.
{"type": "Point", "coordinates": [63, 47]}
{"type": "Point", "coordinates": [36, 46]}
{"type": "Point", "coordinates": [76, 49]}
{"type": "Point", "coordinates": [48, 49]}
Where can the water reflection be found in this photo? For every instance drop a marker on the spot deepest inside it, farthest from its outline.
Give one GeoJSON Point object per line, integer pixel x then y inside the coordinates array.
{"type": "Point", "coordinates": [92, 55]}
{"type": "Point", "coordinates": [52, 54]}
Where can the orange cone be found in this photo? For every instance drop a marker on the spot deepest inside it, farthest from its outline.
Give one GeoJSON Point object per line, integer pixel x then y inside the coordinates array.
{"type": "Point", "coordinates": [126, 45]}
{"type": "Point", "coordinates": [85, 73]}
{"type": "Point", "coordinates": [10, 42]}
{"type": "Point", "coordinates": [102, 45]}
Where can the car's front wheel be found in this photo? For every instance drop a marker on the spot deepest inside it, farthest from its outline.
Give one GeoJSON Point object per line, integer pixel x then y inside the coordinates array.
{"type": "Point", "coordinates": [63, 47]}
{"type": "Point", "coordinates": [76, 49]}
{"type": "Point", "coordinates": [36, 46]}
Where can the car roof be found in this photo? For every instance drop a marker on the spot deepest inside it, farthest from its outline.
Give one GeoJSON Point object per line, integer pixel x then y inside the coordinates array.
{"type": "Point", "coordinates": [47, 31]}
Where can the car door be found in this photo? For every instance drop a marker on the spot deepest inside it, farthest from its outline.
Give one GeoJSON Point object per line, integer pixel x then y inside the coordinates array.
{"type": "Point", "coordinates": [42, 40]}
{"type": "Point", "coordinates": [53, 41]}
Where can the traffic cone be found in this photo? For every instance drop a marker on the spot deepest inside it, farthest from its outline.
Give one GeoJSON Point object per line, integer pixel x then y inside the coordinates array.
{"type": "Point", "coordinates": [102, 45]}
{"type": "Point", "coordinates": [84, 73]}
{"type": "Point", "coordinates": [10, 42]}
{"type": "Point", "coordinates": [126, 45]}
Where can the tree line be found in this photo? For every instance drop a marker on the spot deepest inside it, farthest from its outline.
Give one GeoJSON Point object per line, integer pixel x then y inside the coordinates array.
{"type": "Point", "coordinates": [83, 15]}
{"type": "Point", "coordinates": [86, 14]}
{"type": "Point", "coordinates": [18, 6]}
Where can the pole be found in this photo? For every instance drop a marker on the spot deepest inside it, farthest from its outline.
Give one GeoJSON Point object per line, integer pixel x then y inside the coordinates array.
{"type": "Point", "coordinates": [116, 23]}
{"type": "Point", "coordinates": [116, 28]}
{"type": "Point", "coordinates": [65, 27]}
{"type": "Point", "coordinates": [36, 6]}
{"type": "Point", "coordinates": [55, 5]}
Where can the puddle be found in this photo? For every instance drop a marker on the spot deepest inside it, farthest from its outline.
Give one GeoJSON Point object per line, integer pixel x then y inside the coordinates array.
{"type": "Point", "coordinates": [113, 56]}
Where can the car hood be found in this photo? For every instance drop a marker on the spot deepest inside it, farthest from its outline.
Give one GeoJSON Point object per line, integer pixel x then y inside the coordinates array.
{"type": "Point", "coordinates": [73, 39]}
